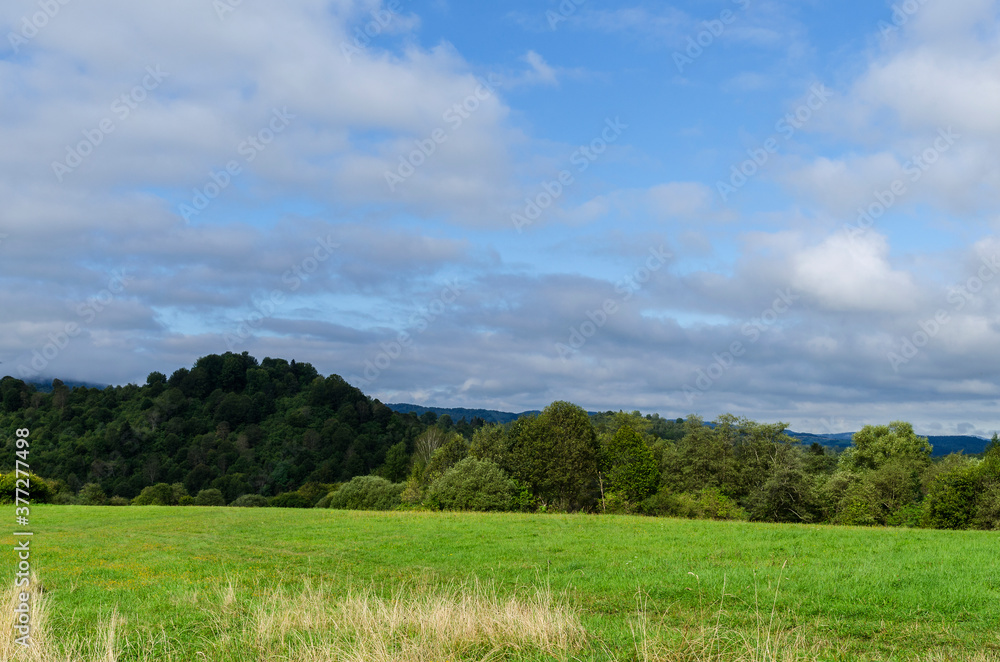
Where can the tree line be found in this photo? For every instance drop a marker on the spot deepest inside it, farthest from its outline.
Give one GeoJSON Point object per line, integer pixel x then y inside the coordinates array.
{"type": "Point", "coordinates": [232, 431]}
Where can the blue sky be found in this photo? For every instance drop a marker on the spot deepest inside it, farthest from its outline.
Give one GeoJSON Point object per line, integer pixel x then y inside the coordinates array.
{"type": "Point", "coordinates": [781, 210]}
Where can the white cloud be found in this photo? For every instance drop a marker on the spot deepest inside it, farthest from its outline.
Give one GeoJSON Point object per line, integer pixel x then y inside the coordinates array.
{"type": "Point", "coordinates": [850, 274]}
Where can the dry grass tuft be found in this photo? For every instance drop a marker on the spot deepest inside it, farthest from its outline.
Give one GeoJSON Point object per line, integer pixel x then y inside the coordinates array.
{"type": "Point", "coordinates": [464, 622]}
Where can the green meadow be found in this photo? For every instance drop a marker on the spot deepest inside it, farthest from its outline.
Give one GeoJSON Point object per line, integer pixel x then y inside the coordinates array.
{"type": "Point", "coordinates": [171, 583]}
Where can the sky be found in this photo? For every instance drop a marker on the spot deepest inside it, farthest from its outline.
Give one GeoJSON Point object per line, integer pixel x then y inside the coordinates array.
{"type": "Point", "coordinates": [781, 210]}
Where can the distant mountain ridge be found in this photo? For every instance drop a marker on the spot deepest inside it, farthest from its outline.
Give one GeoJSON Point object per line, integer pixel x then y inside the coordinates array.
{"type": "Point", "coordinates": [458, 413]}
{"type": "Point", "coordinates": [942, 444]}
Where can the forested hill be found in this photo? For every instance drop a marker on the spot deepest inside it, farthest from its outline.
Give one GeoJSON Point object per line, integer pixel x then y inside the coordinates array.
{"type": "Point", "coordinates": [229, 423]}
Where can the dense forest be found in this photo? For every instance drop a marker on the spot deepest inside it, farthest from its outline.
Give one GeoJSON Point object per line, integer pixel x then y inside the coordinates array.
{"type": "Point", "coordinates": [232, 431]}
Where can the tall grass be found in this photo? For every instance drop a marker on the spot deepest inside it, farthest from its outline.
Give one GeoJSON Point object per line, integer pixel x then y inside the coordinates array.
{"type": "Point", "coordinates": [469, 622]}
{"type": "Point", "coordinates": [312, 624]}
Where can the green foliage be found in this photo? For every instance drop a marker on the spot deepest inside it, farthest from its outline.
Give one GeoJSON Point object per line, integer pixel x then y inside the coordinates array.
{"type": "Point", "coordinates": [473, 484]}
{"type": "Point", "coordinates": [450, 453]}
{"type": "Point", "coordinates": [788, 494]}
{"type": "Point", "coordinates": [210, 497]}
{"type": "Point", "coordinates": [37, 488]}
{"type": "Point", "coordinates": [227, 423]}
{"type": "Point", "coordinates": [951, 500]}
{"type": "Point", "coordinates": [875, 445]}
{"type": "Point", "coordinates": [491, 442]}
{"type": "Point", "coordinates": [708, 503]}
{"type": "Point", "coordinates": [702, 458]}
{"type": "Point", "coordinates": [289, 500]}
{"type": "Point", "coordinates": [91, 494]}
{"type": "Point", "coordinates": [367, 493]}
{"type": "Point", "coordinates": [630, 465]}
{"type": "Point", "coordinates": [313, 492]}
{"type": "Point", "coordinates": [556, 454]}
{"type": "Point", "coordinates": [397, 464]}
{"type": "Point", "coordinates": [987, 510]}
{"type": "Point", "coordinates": [250, 501]}
{"type": "Point", "coordinates": [160, 494]}
{"type": "Point", "coordinates": [858, 506]}
{"type": "Point", "coordinates": [186, 500]}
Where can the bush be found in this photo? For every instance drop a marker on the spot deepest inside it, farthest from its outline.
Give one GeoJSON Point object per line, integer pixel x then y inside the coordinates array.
{"type": "Point", "coordinates": [186, 500]}
{"type": "Point", "coordinates": [64, 499]}
{"type": "Point", "coordinates": [91, 494]}
{"type": "Point", "coordinates": [858, 507]}
{"type": "Point", "coordinates": [37, 487]}
{"type": "Point", "coordinates": [908, 516]}
{"type": "Point", "coordinates": [289, 500]}
{"type": "Point", "coordinates": [117, 501]}
{"type": "Point", "coordinates": [664, 503]}
{"type": "Point", "coordinates": [210, 497]}
{"type": "Point", "coordinates": [160, 494]}
{"type": "Point", "coordinates": [250, 501]}
{"type": "Point", "coordinates": [473, 484]}
{"type": "Point", "coordinates": [367, 493]}
{"type": "Point", "coordinates": [313, 492]}
{"type": "Point", "coordinates": [951, 499]}
{"type": "Point", "coordinates": [987, 514]}
{"type": "Point", "coordinates": [709, 503]}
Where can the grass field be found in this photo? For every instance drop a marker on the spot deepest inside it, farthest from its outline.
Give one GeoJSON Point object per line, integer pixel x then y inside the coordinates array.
{"type": "Point", "coordinates": [249, 584]}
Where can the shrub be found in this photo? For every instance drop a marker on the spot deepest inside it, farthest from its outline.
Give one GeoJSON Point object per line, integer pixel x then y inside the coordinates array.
{"type": "Point", "coordinates": [664, 503]}
{"type": "Point", "coordinates": [713, 504]}
{"type": "Point", "coordinates": [289, 500]}
{"type": "Point", "coordinates": [473, 484]}
{"type": "Point", "coordinates": [64, 499]}
{"type": "Point", "coordinates": [117, 501]}
{"type": "Point", "coordinates": [987, 513]}
{"type": "Point", "coordinates": [858, 507]}
{"type": "Point", "coordinates": [91, 494]}
{"type": "Point", "coordinates": [367, 493]}
{"type": "Point", "coordinates": [951, 499]}
{"type": "Point", "coordinates": [186, 500]}
{"type": "Point", "coordinates": [250, 501]}
{"type": "Point", "coordinates": [313, 492]}
{"type": "Point", "coordinates": [160, 494]}
{"type": "Point", "coordinates": [909, 516]}
{"type": "Point", "coordinates": [38, 488]}
{"type": "Point", "coordinates": [210, 497]}
{"type": "Point", "coordinates": [708, 503]}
